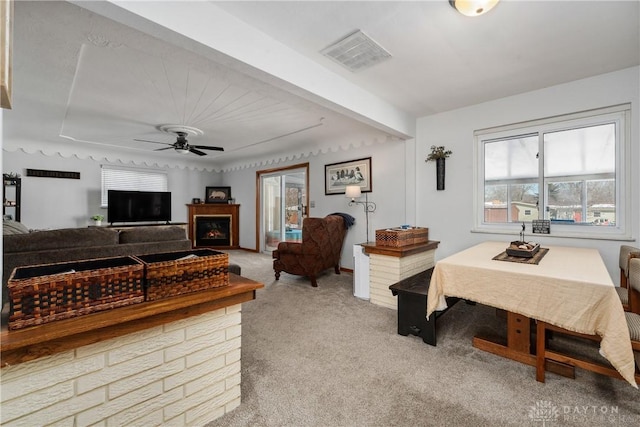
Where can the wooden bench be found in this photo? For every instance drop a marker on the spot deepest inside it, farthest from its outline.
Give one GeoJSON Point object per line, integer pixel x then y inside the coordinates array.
{"type": "Point", "coordinates": [412, 307]}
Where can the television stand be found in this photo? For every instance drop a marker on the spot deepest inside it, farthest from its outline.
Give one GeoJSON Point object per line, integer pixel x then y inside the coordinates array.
{"type": "Point", "coordinates": [144, 224]}
{"type": "Point", "coordinates": [128, 226]}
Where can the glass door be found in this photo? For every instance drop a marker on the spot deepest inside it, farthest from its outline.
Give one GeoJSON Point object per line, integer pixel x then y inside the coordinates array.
{"type": "Point", "coordinates": [283, 205]}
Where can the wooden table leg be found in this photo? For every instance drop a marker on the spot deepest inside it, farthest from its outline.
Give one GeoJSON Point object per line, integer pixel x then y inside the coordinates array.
{"type": "Point", "coordinates": [546, 356]}
{"type": "Point", "coordinates": [518, 346]}
{"type": "Point", "coordinates": [540, 348]}
{"type": "Point", "coordinates": [518, 332]}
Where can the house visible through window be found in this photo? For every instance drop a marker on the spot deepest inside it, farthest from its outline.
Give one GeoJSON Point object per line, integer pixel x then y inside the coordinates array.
{"type": "Point", "coordinates": [116, 178]}
{"type": "Point", "coordinates": [570, 170]}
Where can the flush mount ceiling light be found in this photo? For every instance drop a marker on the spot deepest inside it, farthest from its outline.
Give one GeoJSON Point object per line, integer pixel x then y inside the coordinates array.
{"type": "Point", "coordinates": [356, 52]}
{"type": "Point", "coordinates": [473, 7]}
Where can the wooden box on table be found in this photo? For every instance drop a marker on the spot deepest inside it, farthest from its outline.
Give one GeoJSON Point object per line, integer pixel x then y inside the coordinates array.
{"type": "Point", "coordinates": [398, 237]}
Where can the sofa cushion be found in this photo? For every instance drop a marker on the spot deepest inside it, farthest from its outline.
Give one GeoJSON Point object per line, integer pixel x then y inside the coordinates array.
{"type": "Point", "coordinates": [59, 239]}
{"type": "Point", "coordinates": [13, 227]}
{"type": "Point", "coordinates": [151, 234]}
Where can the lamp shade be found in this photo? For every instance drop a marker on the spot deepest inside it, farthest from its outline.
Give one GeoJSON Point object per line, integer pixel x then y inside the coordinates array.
{"type": "Point", "coordinates": [473, 7]}
{"type": "Point", "coordinates": [352, 191]}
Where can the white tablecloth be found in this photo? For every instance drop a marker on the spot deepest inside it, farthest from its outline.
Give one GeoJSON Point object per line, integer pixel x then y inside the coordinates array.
{"type": "Point", "coordinates": [570, 288]}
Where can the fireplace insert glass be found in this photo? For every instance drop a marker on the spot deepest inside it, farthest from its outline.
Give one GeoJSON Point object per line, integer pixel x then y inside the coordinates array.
{"type": "Point", "coordinates": [213, 230]}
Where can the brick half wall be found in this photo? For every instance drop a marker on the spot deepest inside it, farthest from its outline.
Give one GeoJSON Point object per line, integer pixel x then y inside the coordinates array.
{"type": "Point", "coordinates": [384, 271]}
{"type": "Point", "coordinates": [182, 373]}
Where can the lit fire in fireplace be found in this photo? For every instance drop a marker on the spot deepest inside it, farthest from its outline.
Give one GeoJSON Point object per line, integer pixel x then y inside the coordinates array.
{"type": "Point", "coordinates": [213, 230]}
{"type": "Point", "coordinates": [216, 234]}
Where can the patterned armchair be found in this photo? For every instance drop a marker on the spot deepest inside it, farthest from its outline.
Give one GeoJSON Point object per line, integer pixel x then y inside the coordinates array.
{"type": "Point", "coordinates": [319, 250]}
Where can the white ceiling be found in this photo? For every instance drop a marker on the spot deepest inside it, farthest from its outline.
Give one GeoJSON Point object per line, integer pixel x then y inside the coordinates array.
{"type": "Point", "coordinates": [85, 82]}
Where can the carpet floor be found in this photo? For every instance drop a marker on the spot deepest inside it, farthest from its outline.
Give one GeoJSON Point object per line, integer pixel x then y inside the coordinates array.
{"type": "Point", "coordinates": [322, 357]}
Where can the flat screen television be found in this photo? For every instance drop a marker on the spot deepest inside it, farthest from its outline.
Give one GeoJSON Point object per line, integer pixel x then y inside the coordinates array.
{"type": "Point", "coordinates": [138, 206]}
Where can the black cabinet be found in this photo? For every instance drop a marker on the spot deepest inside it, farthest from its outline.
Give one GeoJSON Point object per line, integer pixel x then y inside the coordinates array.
{"type": "Point", "coordinates": [11, 196]}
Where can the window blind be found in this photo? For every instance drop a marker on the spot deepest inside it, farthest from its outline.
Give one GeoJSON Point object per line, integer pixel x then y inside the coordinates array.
{"type": "Point", "coordinates": [119, 178]}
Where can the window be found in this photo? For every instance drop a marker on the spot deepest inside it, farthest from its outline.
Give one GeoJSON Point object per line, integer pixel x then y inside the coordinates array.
{"type": "Point", "coordinates": [117, 178]}
{"type": "Point", "coordinates": [571, 170]}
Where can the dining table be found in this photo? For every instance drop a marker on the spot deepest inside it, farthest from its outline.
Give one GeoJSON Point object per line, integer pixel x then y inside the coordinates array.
{"type": "Point", "coordinates": [568, 287]}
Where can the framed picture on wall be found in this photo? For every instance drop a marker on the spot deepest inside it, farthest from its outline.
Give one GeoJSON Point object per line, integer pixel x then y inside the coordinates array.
{"type": "Point", "coordinates": [217, 195]}
{"type": "Point", "coordinates": [354, 172]}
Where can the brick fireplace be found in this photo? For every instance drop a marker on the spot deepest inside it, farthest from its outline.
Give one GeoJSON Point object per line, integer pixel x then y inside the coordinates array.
{"type": "Point", "coordinates": [214, 225]}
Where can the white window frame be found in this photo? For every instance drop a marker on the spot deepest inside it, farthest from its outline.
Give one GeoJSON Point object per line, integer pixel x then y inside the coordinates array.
{"type": "Point", "coordinates": [132, 179]}
{"type": "Point", "coordinates": [619, 114]}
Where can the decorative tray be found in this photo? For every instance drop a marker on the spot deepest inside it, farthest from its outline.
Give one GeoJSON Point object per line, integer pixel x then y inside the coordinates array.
{"type": "Point", "coordinates": [523, 249]}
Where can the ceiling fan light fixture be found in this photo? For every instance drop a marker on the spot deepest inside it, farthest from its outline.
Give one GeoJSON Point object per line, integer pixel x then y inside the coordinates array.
{"type": "Point", "coordinates": [473, 7]}
{"type": "Point", "coordinates": [182, 146]}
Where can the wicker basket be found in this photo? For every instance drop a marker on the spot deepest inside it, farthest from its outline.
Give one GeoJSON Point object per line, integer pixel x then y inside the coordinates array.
{"type": "Point", "coordinates": [514, 250]}
{"type": "Point", "coordinates": [398, 237]}
{"type": "Point", "coordinates": [395, 237]}
{"type": "Point", "coordinates": [420, 235]}
{"type": "Point", "coordinates": [44, 293]}
{"type": "Point", "coordinates": [175, 273]}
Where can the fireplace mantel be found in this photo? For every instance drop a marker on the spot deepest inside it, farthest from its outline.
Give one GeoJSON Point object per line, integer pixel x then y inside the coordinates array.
{"type": "Point", "coordinates": [213, 209]}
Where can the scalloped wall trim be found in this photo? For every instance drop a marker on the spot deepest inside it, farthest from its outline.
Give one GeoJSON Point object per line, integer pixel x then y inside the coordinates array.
{"type": "Point", "coordinates": [247, 163]}
{"type": "Point", "coordinates": [283, 157]}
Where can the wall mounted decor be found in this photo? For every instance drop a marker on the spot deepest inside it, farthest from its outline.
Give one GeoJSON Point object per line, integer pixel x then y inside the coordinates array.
{"type": "Point", "coordinates": [439, 155]}
{"type": "Point", "coordinates": [41, 173]}
{"type": "Point", "coordinates": [217, 195]}
{"type": "Point", "coordinates": [337, 176]}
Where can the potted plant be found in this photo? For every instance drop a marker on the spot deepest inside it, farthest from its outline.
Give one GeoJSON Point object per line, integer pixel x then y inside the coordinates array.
{"type": "Point", "coordinates": [439, 154]}
{"type": "Point", "coordinates": [98, 219]}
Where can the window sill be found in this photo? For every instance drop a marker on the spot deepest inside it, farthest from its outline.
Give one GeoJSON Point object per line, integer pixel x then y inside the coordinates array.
{"type": "Point", "coordinates": [560, 232]}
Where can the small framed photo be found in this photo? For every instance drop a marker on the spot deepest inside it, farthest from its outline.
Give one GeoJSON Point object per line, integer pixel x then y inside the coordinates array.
{"type": "Point", "coordinates": [196, 201]}
{"type": "Point", "coordinates": [217, 195]}
{"type": "Point", "coordinates": [337, 176]}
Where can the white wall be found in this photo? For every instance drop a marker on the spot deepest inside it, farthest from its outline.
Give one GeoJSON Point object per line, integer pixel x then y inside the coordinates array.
{"type": "Point", "coordinates": [49, 203]}
{"type": "Point", "coordinates": [388, 192]}
{"type": "Point", "coordinates": [449, 213]}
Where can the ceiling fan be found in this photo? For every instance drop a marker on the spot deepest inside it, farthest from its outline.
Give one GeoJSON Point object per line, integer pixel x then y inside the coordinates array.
{"type": "Point", "coordinates": [181, 145]}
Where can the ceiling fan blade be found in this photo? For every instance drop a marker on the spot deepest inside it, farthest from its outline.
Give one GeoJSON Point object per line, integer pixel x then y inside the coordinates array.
{"type": "Point", "coordinates": [162, 149]}
{"type": "Point", "coordinates": [154, 142]}
{"type": "Point", "coordinates": [195, 151]}
{"type": "Point", "coordinates": [206, 147]}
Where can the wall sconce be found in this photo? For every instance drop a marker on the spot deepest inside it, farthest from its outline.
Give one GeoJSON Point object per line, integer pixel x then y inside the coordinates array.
{"type": "Point", "coordinates": [353, 192]}
{"type": "Point", "coordinates": [473, 7]}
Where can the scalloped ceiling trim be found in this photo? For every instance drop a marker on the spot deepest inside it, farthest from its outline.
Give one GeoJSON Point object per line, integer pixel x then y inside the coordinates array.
{"type": "Point", "coordinates": [113, 160]}
{"type": "Point", "coordinates": [254, 163]}
{"type": "Point", "coordinates": [233, 166]}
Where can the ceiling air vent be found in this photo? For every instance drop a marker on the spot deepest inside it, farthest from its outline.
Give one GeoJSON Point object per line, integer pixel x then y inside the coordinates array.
{"type": "Point", "coordinates": [356, 52]}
